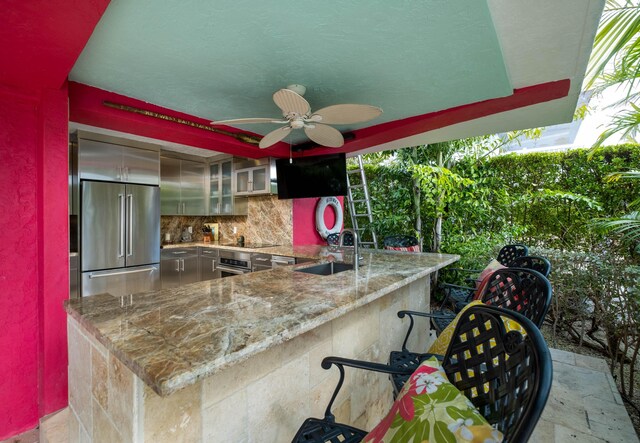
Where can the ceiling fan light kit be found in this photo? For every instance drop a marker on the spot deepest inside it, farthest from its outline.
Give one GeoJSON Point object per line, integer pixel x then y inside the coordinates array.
{"type": "Point", "coordinates": [297, 113]}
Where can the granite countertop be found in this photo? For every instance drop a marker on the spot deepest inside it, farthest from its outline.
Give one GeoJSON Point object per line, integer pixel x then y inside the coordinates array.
{"type": "Point", "coordinates": [171, 338]}
{"type": "Point", "coordinates": [305, 251]}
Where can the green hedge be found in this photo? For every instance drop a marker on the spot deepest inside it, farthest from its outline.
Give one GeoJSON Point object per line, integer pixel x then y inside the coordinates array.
{"type": "Point", "coordinates": [543, 199]}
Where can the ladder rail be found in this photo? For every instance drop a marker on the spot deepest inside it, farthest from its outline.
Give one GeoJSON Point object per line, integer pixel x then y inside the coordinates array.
{"type": "Point", "coordinates": [351, 201]}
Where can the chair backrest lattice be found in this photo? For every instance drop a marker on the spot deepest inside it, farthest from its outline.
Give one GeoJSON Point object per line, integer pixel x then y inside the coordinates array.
{"type": "Point", "coordinates": [540, 264]}
{"type": "Point", "coordinates": [525, 291]}
{"type": "Point", "coordinates": [508, 253]}
{"type": "Point", "coordinates": [505, 374]}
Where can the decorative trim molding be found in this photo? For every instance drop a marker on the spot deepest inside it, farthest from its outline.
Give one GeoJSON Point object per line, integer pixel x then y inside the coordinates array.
{"type": "Point", "coordinates": [238, 136]}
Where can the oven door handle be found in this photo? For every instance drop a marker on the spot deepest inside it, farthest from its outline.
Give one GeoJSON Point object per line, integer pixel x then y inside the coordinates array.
{"type": "Point", "coordinates": [233, 270]}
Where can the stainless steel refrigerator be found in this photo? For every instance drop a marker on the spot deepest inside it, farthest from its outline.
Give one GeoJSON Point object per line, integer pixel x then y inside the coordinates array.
{"type": "Point", "coordinates": [119, 238]}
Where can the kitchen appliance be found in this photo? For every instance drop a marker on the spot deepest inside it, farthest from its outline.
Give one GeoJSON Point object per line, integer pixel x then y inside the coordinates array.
{"type": "Point", "coordinates": [260, 262]}
{"type": "Point", "coordinates": [119, 237]}
{"type": "Point", "coordinates": [280, 260]}
{"type": "Point", "coordinates": [234, 263]}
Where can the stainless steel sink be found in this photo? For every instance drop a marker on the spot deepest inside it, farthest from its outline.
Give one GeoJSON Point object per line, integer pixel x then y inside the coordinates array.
{"type": "Point", "coordinates": [327, 268]}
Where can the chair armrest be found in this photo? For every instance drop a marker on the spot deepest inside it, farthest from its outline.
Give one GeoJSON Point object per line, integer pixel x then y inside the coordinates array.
{"type": "Point", "coordinates": [410, 314]}
{"type": "Point", "coordinates": [341, 362]}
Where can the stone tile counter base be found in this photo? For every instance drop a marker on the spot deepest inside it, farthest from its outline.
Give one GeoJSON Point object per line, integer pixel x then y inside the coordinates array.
{"type": "Point", "coordinates": [262, 399]}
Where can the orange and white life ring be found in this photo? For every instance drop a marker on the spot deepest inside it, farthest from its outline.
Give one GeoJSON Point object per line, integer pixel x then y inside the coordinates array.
{"type": "Point", "coordinates": [321, 227]}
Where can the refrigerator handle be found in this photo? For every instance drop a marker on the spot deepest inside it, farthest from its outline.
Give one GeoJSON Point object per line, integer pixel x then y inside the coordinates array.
{"type": "Point", "coordinates": [130, 225]}
{"type": "Point", "coordinates": [122, 227]}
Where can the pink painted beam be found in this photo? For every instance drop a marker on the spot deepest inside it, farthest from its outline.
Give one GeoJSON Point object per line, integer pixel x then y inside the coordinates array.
{"type": "Point", "coordinates": [42, 39]}
{"type": "Point", "coordinates": [398, 129]}
{"type": "Point", "coordinates": [86, 107]}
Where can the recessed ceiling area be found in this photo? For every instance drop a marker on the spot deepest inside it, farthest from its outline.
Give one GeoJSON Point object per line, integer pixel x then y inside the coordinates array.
{"type": "Point", "coordinates": [222, 61]}
{"type": "Point", "coordinates": [415, 60]}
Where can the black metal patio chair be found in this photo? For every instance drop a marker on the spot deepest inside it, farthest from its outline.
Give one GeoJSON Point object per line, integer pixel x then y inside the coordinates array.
{"type": "Point", "coordinates": [525, 291]}
{"type": "Point", "coordinates": [458, 296]}
{"type": "Point", "coordinates": [505, 374]}
{"type": "Point", "coordinates": [456, 293]}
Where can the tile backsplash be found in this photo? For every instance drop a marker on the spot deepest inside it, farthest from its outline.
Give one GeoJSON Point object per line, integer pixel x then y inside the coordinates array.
{"type": "Point", "coordinates": [268, 220]}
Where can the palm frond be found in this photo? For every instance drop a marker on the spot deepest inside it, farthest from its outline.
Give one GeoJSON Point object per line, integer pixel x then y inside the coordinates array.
{"type": "Point", "coordinates": [628, 226]}
{"type": "Point", "coordinates": [617, 36]}
{"type": "Point", "coordinates": [625, 123]}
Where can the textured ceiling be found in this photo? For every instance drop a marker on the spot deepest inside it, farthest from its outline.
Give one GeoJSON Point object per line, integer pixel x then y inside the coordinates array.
{"type": "Point", "coordinates": [221, 60]}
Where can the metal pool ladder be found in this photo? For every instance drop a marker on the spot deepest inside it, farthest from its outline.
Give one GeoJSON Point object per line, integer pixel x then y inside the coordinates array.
{"type": "Point", "coordinates": [360, 206]}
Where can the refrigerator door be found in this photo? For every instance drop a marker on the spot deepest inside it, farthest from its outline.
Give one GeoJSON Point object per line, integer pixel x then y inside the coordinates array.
{"type": "Point", "coordinates": [102, 227]}
{"type": "Point", "coordinates": [142, 225]}
{"type": "Point", "coordinates": [118, 282]}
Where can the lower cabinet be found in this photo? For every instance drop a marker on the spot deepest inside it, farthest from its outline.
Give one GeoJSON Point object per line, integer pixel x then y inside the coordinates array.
{"type": "Point", "coordinates": [208, 264]}
{"type": "Point", "coordinates": [179, 267]}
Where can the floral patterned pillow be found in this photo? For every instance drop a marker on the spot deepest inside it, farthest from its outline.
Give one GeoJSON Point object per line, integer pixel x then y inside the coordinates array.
{"type": "Point", "coordinates": [430, 409]}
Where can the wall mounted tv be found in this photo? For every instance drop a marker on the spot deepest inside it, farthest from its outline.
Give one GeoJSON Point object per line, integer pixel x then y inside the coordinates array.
{"type": "Point", "coordinates": [319, 176]}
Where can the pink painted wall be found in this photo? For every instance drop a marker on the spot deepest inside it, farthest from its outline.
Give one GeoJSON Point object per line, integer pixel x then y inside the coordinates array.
{"type": "Point", "coordinates": [53, 230]}
{"type": "Point", "coordinates": [19, 279]}
{"type": "Point", "coordinates": [33, 257]}
{"type": "Point", "coordinates": [41, 40]}
{"type": "Point", "coordinates": [304, 221]}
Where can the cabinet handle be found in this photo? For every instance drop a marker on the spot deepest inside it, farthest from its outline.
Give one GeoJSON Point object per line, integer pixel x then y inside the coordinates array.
{"type": "Point", "coordinates": [182, 264]}
{"type": "Point", "coordinates": [184, 208]}
{"type": "Point", "coordinates": [213, 265]}
{"type": "Point", "coordinates": [177, 265]}
{"type": "Point", "coordinates": [122, 225]}
{"type": "Point", "coordinates": [130, 234]}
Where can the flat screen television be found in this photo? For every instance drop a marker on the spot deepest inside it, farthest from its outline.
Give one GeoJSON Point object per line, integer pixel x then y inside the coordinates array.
{"type": "Point", "coordinates": [319, 176]}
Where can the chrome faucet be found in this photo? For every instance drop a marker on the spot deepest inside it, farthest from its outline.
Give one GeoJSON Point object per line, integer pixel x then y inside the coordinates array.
{"type": "Point", "coordinates": [356, 252]}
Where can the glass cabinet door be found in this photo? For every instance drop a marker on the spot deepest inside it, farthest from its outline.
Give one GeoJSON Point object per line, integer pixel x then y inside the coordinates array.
{"type": "Point", "coordinates": [226, 188]}
{"type": "Point", "coordinates": [214, 189]}
{"type": "Point", "coordinates": [242, 181]}
{"type": "Point", "coordinates": [259, 180]}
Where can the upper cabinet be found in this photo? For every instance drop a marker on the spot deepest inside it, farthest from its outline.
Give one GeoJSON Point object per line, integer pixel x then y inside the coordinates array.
{"type": "Point", "coordinates": [252, 179]}
{"type": "Point", "coordinates": [182, 187]}
{"type": "Point", "coordinates": [221, 198]}
{"type": "Point", "coordinates": [100, 160]}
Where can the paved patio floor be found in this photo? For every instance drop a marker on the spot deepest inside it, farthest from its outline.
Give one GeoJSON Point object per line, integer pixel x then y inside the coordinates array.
{"type": "Point", "coordinates": [584, 405]}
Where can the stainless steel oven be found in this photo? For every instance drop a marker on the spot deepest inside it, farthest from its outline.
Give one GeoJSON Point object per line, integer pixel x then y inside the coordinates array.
{"type": "Point", "coordinates": [232, 263]}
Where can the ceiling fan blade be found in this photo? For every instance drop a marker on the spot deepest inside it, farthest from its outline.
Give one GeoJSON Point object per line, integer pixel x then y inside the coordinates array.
{"type": "Point", "coordinates": [324, 135]}
{"type": "Point", "coordinates": [346, 114]}
{"type": "Point", "coordinates": [243, 121]}
{"type": "Point", "coordinates": [274, 136]}
{"type": "Point", "coordinates": [291, 102]}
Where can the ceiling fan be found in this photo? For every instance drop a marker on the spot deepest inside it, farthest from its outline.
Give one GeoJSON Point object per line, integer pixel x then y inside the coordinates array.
{"type": "Point", "coordinates": [297, 113]}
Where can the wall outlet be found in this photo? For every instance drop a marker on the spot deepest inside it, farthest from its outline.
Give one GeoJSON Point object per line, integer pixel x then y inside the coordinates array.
{"type": "Point", "coordinates": [190, 229]}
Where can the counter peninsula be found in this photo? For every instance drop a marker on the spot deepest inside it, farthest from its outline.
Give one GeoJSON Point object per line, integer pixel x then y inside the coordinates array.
{"type": "Point", "coordinates": [238, 359]}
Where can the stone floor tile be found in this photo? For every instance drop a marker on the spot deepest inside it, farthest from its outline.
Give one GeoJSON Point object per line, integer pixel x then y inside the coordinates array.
{"type": "Point", "coordinates": [31, 436]}
{"type": "Point", "coordinates": [565, 434]}
{"type": "Point", "coordinates": [563, 356]}
{"type": "Point", "coordinates": [607, 419]}
{"type": "Point", "coordinates": [587, 361]}
{"type": "Point", "coordinates": [55, 427]}
{"type": "Point", "coordinates": [614, 389]}
{"type": "Point", "coordinates": [544, 432]}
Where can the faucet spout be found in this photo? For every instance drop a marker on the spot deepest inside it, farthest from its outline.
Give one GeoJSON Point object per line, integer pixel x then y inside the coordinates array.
{"type": "Point", "coordinates": [356, 251]}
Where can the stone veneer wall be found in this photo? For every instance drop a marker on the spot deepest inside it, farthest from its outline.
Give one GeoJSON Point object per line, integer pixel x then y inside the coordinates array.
{"type": "Point", "coordinates": [268, 220]}
{"type": "Point", "coordinates": [264, 399]}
